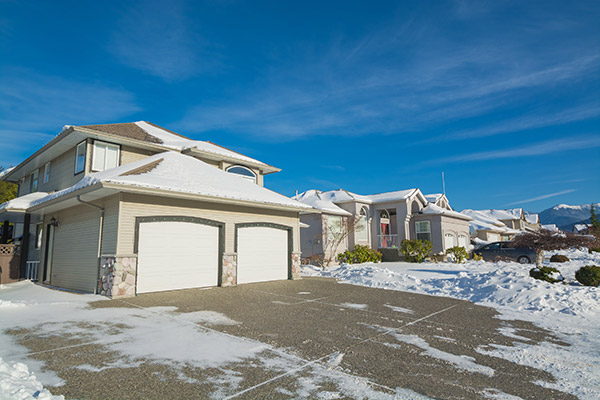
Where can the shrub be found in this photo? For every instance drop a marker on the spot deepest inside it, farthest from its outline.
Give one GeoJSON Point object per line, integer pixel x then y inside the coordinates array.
{"type": "Point", "coordinates": [360, 254]}
{"type": "Point", "coordinates": [559, 258]}
{"type": "Point", "coordinates": [458, 253]}
{"type": "Point", "coordinates": [548, 274]}
{"type": "Point", "coordinates": [477, 256]}
{"type": "Point", "coordinates": [594, 250]}
{"type": "Point", "coordinates": [315, 259]}
{"type": "Point", "coordinates": [588, 275]}
{"type": "Point", "coordinates": [415, 250]}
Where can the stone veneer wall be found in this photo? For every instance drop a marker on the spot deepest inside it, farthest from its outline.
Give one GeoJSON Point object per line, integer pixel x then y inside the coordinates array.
{"type": "Point", "coordinates": [229, 277]}
{"type": "Point", "coordinates": [117, 276]}
{"type": "Point", "coordinates": [296, 265]}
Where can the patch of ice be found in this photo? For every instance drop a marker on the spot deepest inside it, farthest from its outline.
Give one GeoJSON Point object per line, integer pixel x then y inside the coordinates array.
{"type": "Point", "coordinates": [400, 309]}
{"type": "Point", "coordinates": [355, 306]}
{"type": "Point", "coordinates": [303, 292]}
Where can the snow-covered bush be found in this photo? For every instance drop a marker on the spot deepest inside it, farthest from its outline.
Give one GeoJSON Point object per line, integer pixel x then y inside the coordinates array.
{"type": "Point", "coordinates": [360, 254]}
{"type": "Point", "coordinates": [559, 258]}
{"type": "Point", "coordinates": [458, 253]}
{"type": "Point", "coordinates": [548, 274]}
{"type": "Point", "coordinates": [588, 275]}
{"type": "Point", "coordinates": [315, 259]}
{"type": "Point", "coordinates": [415, 250]}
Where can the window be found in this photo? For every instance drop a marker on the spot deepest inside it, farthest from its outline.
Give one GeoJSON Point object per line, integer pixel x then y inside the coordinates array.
{"type": "Point", "coordinates": [33, 184]}
{"type": "Point", "coordinates": [423, 230]}
{"type": "Point", "coordinates": [80, 157]}
{"type": "Point", "coordinates": [106, 156]}
{"type": "Point", "coordinates": [334, 226]}
{"type": "Point", "coordinates": [47, 172]}
{"type": "Point", "coordinates": [449, 240]}
{"type": "Point", "coordinates": [361, 226]}
{"type": "Point", "coordinates": [38, 235]}
{"type": "Point", "coordinates": [243, 172]}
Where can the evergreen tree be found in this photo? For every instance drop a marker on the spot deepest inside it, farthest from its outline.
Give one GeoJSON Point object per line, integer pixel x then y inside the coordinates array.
{"type": "Point", "coordinates": [8, 190]}
{"type": "Point", "coordinates": [594, 218]}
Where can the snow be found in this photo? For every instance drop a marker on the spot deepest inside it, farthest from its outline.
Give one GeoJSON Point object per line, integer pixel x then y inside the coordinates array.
{"type": "Point", "coordinates": [532, 218]}
{"type": "Point", "coordinates": [569, 310]}
{"type": "Point", "coordinates": [16, 382]}
{"type": "Point", "coordinates": [6, 171]}
{"type": "Point", "coordinates": [433, 197]}
{"type": "Point", "coordinates": [344, 196]}
{"type": "Point", "coordinates": [181, 174]}
{"type": "Point", "coordinates": [315, 199]}
{"type": "Point", "coordinates": [22, 203]}
{"type": "Point", "coordinates": [494, 215]}
{"type": "Point", "coordinates": [180, 143]}
{"type": "Point", "coordinates": [355, 306]}
{"type": "Point", "coordinates": [432, 209]}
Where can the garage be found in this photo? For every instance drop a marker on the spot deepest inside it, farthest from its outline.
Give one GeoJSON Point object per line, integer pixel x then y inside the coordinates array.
{"type": "Point", "coordinates": [177, 253]}
{"type": "Point", "coordinates": [263, 252]}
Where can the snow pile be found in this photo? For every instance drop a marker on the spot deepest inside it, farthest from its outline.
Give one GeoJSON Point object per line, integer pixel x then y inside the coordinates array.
{"type": "Point", "coordinates": [16, 382]}
{"type": "Point", "coordinates": [570, 310]}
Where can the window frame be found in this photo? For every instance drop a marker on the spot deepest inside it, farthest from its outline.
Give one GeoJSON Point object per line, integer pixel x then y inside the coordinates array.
{"type": "Point", "coordinates": [82, 168]}
{"type": "Point", "coordinates": [253, 178]}
{"type": "Point", "coordinates": [363, 215]}
{"type": "Point", "coordinates": [419, 232]}
{"type": "Point", "coordinates": [34, 181]}
{"type": "Point", "coordinates": [106, 144]}
{"type": "Point", "coordinates": [47, 169]}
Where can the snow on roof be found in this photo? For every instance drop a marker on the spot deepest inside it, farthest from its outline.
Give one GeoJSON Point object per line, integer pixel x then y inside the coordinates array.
{"type": "Point", "coordinates": [316, 199]}
{"type": "Point", "coordinates": [180, 143]}
{"type": "Point", "coordinates": [391, 196]}
{"type": "Point", "coordinates": [432, 209]}
{"type": "Point", "coordinates": [480, 216]}
{"type": "Point", "coordinates": [497, 214]}
{"type": "Point", "coordinates": [22, 203]}
{"type": "Point", "coordinates": [551, 227]}
{"type": "Point", "coordinates": [532, 218]}
{"type": "Point", "coordinates": [432, 198]}
{"type": "Point", "coordinates": [6, 171]}
{"type": "Point", "coordinates": [343, 196]}
{"type": "Point", "coordinates": [515, 212]}
{"type": "Point", "coordinates": [579, 227]}
{"type": "Point", "coordinates": [179, 173]}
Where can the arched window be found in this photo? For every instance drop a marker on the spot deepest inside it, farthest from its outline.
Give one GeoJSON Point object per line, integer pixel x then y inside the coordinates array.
{"type": "Point", "coordinates": [362, 226]}
{"type": "Point", "coordinates": [244, 172]}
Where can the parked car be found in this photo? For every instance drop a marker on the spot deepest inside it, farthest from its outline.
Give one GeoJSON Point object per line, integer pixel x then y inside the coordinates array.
{"type": "Point", "coordinates": [505, 251]}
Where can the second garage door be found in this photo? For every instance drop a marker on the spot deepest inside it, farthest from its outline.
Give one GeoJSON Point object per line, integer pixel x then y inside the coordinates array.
{"type": "Point", "coordinates": [177, 255]}
{"type": "Point", "coordinates": [263, 254]}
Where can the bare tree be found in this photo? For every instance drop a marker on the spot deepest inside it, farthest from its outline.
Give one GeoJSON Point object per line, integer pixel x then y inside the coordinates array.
{"type": "Point", "coordinates": [335, 231]}
{"type": "Point", "coordinates": [549, 240]}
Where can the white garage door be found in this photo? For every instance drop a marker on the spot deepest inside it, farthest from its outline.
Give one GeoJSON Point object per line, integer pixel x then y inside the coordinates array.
{"type": "Point", "coordinates": [449, 240]}
{"type": "Point", "coordinates": [463, 241]}
{"type": "Point", "coordinates": [177, 255]}
{"type": "Point", "coordinates": [262, 254]}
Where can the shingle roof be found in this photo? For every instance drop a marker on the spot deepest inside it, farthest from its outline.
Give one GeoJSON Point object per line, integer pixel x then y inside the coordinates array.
{"type": "Point", "coordinates": [128, 129]}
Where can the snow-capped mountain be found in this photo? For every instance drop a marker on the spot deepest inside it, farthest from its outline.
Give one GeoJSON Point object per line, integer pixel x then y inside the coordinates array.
{"type": "Point", "coordinates": [565, 216]}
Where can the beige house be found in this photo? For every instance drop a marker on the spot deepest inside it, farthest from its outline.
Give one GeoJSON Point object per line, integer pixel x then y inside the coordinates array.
{"type": "Point", "coordinates": [383, 221]}
{"type": "Point", "coordinates": [122, 209]}
{"type": "Point", "coordinates": [485, 228]}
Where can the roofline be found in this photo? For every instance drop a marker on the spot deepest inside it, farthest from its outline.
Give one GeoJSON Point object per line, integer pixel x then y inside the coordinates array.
{"type": "Point", "coordinates": [266, 168]}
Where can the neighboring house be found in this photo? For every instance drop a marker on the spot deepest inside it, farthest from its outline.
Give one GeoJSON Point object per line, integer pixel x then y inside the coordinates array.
{"type": "Point", "coordinates": [384, 220]}
{"type": "Point", "coordinates": [532, 221]}
{"type": "Point", "coordinates": [121, 209]}
{"type": "Point", "coordinates": [485, 228]}
{"type": "Point", "coordinates": [581, 228]}
{"type": "Point", "coordinates": [550, 227]}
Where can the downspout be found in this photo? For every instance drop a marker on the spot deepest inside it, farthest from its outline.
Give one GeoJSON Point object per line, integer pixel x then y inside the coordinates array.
{"type": "Point", "coordinates": [99, 237]}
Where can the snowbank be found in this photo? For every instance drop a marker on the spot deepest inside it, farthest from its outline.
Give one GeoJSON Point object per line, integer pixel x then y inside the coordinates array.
{"type": "Point", "coordinates": [16, 382]}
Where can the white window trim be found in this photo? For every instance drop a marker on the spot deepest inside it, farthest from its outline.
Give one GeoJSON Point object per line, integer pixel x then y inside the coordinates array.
{"type": "Point", "coordinates": [107, 144]}
{"type": "Point", "coordinates": [35, 173]}
{"type": "Point", "coordinates": [418, 231]}
{"type": "Point", "coordinates": [39, 232]}
{"type": "Point", "coordinates": [47, 172]}
{"type": "Point", "coordinates": [84, 144]}
{"type": "Point", "coordinates": [253, 179]}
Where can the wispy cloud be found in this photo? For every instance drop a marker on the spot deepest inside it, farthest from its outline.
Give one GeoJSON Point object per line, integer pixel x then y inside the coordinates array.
{"type": "Point", "coordinates": [156, 37]}
{"type": "Point", "coordinates": [409, 76]}
{"type": "Point", "coordinates": [546, 196]}
{"type": "Point", "coordinates": [537, 149]}
{"type": "Point", "coordinates": [34, 107]}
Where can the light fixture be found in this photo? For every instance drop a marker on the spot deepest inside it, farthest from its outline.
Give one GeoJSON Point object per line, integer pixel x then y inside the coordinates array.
{"type": "Point", "coordinates": [54, 222]}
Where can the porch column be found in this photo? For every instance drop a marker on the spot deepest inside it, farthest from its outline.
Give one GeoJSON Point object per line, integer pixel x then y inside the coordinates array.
{"type": "Point", "coordinates": [5, 227]}
{"type": "Point", "coordinates": [24, 246]}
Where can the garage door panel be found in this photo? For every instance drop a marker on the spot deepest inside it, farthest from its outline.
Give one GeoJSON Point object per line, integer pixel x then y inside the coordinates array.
{"type": "Point", "coordinates": [262, 254]}
{"type": "Point", "coordinates": [177, 255]}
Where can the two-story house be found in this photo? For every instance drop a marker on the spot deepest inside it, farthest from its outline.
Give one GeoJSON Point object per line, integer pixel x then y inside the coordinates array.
{"type": "Point", "coordinates": [382, 221]}
{"type": "Point", "coordinates": [128, 208]}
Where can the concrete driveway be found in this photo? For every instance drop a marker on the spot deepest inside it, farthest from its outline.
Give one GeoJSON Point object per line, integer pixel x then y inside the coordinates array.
{"type": "Point", "coordinates": [325, 340]}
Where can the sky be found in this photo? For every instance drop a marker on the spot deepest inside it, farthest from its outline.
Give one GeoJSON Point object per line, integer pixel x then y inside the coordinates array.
{"type": "Point", "coordinates": [503, 97]}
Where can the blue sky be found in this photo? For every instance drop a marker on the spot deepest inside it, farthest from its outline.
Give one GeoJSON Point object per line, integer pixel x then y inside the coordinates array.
{"type": "Point", "coordinates": [503, 96]}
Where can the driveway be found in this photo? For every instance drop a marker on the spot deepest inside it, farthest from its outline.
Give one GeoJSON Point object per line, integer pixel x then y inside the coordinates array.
{"type": "Point", "coordinates": [311, 338]}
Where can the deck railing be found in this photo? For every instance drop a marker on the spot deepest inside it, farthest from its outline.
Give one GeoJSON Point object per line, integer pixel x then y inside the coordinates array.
{"type": "Point", "coordinates": [387, 241]}
{"type": "Point", "coordinates": [32, 270]}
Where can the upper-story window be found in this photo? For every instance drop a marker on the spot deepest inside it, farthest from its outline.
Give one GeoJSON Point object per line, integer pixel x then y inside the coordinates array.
{"type": "Point", "coordinates": [244, 172]}
{"type": "Point", "coordinates": [106, 156]}
{"type": "Point", "coordinates": [80, 157]}
{"type": "Point", "coordinates": [33, 184]}
{"type": "Point", "coordinates": [47, 172]}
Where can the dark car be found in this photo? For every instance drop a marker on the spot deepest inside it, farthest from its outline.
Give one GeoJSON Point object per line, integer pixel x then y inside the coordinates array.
{"type": "Point", "coordinates": [504, 251]}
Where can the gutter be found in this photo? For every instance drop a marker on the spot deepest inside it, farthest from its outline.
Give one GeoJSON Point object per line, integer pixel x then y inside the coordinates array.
{"type": "Point", "coordinates": [99, 237]}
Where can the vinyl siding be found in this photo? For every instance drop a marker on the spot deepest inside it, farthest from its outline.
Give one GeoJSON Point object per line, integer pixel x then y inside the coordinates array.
{"type": "Point", "coordinates": [131, 154]}
{"type": "Point", "coordinates": [75, 257]}
{"type": "Point", "coordinates": [111, 225]}
{"type": "Point", "coordinates": [134, 205]}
